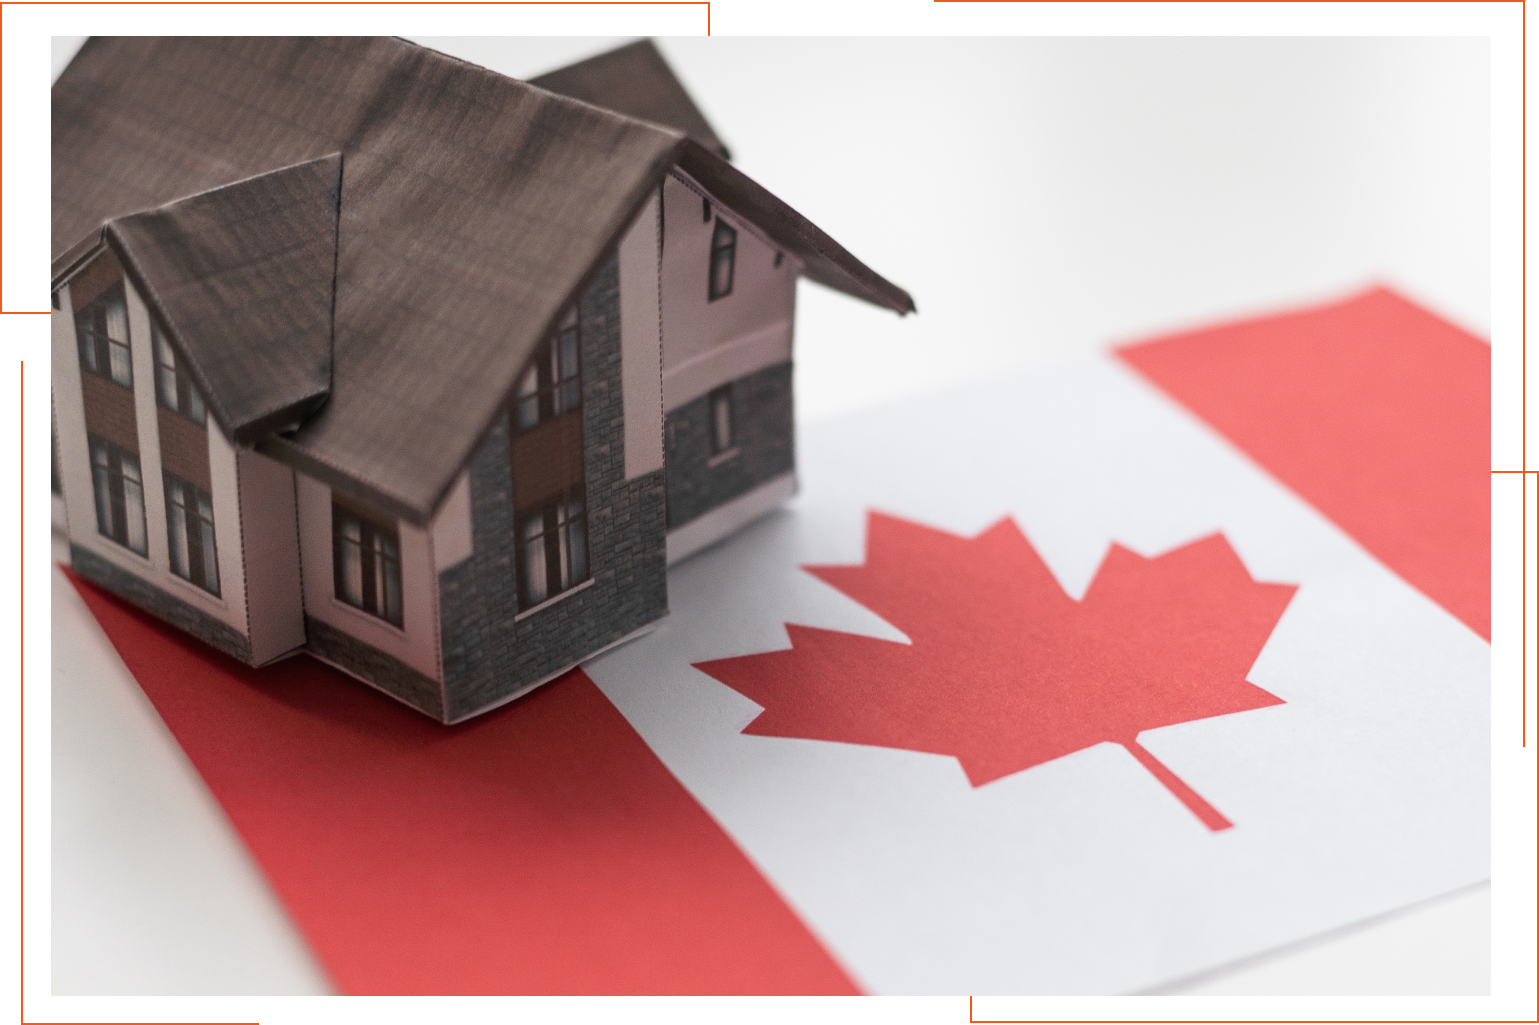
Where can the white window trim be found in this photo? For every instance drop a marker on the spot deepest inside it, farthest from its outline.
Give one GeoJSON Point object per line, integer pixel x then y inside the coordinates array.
{"type": "Point", "coordinates": [369, 617]}
{"type": "Point", "coordinates": [548, 602]}
{"type": "Point", "coordinates": [193, 589]}
{"type": "Point", "coordinates": [110, 545]}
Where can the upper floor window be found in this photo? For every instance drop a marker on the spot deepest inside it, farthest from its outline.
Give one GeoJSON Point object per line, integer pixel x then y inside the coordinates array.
{"type": "Point", "coordinates": [190, 531]}
{"type": "Point", "coordinates": [723, 258]}
{"type": "Point", "coordinates": [552, 548]}
{"type": "Point", "coordinates": [366, 562]}
{"type": "Point", "coordinates": [553, 383]}
{"type": "Point", "coordinates": [173, 388]}
{"type": "Point", "coordinates": [101, 328]}
{"type": "Point", "coordinates": [119, 490]}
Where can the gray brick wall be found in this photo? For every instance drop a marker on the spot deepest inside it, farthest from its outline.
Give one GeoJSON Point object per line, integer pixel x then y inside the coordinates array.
{"type": "Point", "coordinates": [487, 655]}
{"type": "Point", "coordinates": [386, 672]}
{"type": "Point", "coordinates": [762, 428]}
{"type": "Point", "coordinates": [153, 600]}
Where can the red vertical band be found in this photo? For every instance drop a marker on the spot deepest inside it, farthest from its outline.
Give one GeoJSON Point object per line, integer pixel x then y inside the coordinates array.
{"type": "Point", "coordinates": [542, 848]}
{"type": "Point", "coordinates": [1375, 412]}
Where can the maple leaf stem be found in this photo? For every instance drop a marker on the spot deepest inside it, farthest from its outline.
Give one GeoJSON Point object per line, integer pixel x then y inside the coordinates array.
{"type": "Point", "coordinates": [1210, 816]}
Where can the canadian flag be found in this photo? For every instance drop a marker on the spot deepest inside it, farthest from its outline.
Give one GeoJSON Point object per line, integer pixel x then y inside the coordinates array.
{"type": "Point", "coordinates": [1073, 682]}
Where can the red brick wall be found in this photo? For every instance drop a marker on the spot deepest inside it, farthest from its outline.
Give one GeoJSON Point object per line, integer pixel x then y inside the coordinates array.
{"type": "Point", "coordinates": [184, 448]}
{"type": "Point", "coordinates": [109, 411]}
{"type": "Point", "coordinates": [547, 460]}
{"type": "Point", "coordinates": [100, 274]}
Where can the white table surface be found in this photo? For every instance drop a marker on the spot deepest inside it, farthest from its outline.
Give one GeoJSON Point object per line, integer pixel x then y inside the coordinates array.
{"type": "Point", "coordinates": [1038, 198]}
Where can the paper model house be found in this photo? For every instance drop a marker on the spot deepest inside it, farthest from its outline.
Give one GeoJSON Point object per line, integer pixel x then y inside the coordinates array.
{"type": "Point", "coordinates": [365, 351]}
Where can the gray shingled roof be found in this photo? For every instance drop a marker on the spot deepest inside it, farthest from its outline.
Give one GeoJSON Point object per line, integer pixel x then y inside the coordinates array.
{"type": "Point", "coordinates": [240, 278]}
{"type": "Point", "coordinates": [635, 80]}
{"type": "Point", "coordinates": [473, 207]}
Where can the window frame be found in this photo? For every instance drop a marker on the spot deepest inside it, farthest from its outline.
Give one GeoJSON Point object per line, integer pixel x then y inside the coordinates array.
{"type": "Point", "coordinates": [110, 492]}
{"type": "Point", "coordinates": [202, 560]}
{"type": "Point", "coordinates": [566, 566]}
{"type": "Point", "coordinates": [376, 536]}
{"type": "Point", "coordinates": [186, 401]}
{"type": "Point", "coordinates": [723, 252]}
{"type": "Point", "coordinates": [551, 385]}
{"type": "Point", "coordinates": [96, 347]}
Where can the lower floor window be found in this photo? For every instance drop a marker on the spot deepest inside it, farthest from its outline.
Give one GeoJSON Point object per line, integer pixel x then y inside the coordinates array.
{"type": "Point", "coordinates": [552, 548]}
{"type": "Point", "coordinates": [190, 531]}
{"type": "Point", "coordinates": [721, 420]}
{"type": "Point", "coordinates": [119, 490]}
{"type": "Point", "coordinates": [366, 563]}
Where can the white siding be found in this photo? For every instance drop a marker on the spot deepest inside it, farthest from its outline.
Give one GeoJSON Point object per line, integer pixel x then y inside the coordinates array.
{"type": "Point", "coordinates": [726, 362]}
{"type": "Point", "coordinates": [416, 641]}
{"type": "Point", "coordinates": [60, 516]}
{"type": "Point", "coordinates": [75, 474]}
{"type": "Point", "coordinates": [641, 341]}
{"type": "Point", "coordinates": [453, 539]}
{"type": "Point", "coordinates": [706, 343]}
{"type": "Point", "coordinates": [224, 489]}
{"type": "Point", "coordinates": [270, 530]}
{"type": "Point", "coordinates": [141, 351]}
{"type": "Point", "coordinates": [69, 422]}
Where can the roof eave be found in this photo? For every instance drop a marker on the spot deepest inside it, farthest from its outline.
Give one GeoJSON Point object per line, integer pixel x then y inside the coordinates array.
{"type": "Point", "coordinates": [74, 258]}
{"type": "Point", "coordinates": [827, 262]}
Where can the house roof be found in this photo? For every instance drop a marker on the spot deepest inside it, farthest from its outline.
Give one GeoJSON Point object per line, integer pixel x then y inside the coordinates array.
{"type": "Point", "coordinates": [636, 81]}
{"type": "Point", "coordinates": [240, 278]}
{"type": "Point", "coordinates": [473, 208]}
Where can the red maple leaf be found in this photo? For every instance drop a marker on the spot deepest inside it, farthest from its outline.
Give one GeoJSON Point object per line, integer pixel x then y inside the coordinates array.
{"type": "Point", "coordinates": [1005, 670]}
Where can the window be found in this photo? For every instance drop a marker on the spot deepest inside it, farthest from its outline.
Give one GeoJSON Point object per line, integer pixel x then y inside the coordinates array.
{"type": "Point", "coordinates": [552, 549]}
{"type": "Point", "coordinates": [190, 531]}
{"type": "Point", "coordinates": [553, 383]}
{"type": "Point", "coordinates": [723, 257]}
{"type": "Point", "coordinates": [173, 388]}
{"type": "Point", "coordinates": [54, 482]}
{"type": "Point", "coordinates": [721, 420]}
{"type": "Point", "coordinates": [101, 329]}
{"type": "Point", "coordinates": [119, 490]}
{"type": "Point", "coordinates": [366, 563]}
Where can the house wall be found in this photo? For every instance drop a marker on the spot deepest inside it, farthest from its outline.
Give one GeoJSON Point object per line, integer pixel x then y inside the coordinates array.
{"type": "Point", "coordinates": [146, 580]}
{"type": "Point", "coordinates": [453, 541]}
{"type": "Point", "coordinates": [402, 661]}
{"type": "Point", "coordinates": [270, 534]}
{"type": "Point", "coordinates": [490, 651]}
{"type": "Point", "coordinates": [60, 516]}
{"type": "Point", "coordinates": [641, 337]}
{"type": "Point", "coordinates": [741, 341]}
{"type": "Point", "coordinates": [765, 446]}
{"type": "Point", "coordinates": [709, 342]}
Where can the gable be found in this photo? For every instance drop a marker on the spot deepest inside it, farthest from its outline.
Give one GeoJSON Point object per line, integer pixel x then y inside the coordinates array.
{"type": "Point", "coordinates": [240, 280]}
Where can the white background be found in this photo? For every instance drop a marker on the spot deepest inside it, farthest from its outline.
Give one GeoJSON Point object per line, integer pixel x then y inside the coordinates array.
{"type": "Point", "coordinates": [1038, 197]}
